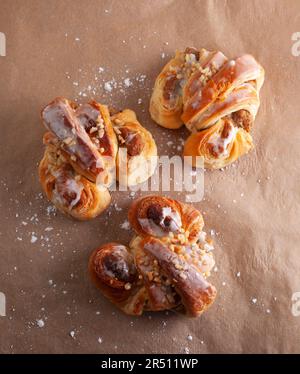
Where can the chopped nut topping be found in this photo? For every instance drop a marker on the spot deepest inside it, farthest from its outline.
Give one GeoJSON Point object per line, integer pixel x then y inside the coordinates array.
{"type": "Point", "coordinates": [101, 133]}
{"type": "Point", "coordinates": [68, 141]}
{"type": "Point", "coordinates": [117, 131]}
{"type": "Point", "coordinates": [183, 276]}
{"type": "Point", "coordinates": [127, 286]}
{"type": "Point", "coordinates": [93, 129]}
{"type": "Point", "coordinates": [118, 121]}
{"type": "Point", "coordinates": [150, 275]}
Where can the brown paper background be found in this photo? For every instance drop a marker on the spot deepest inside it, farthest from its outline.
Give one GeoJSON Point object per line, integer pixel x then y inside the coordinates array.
{"type": "Point", "coordinates": [258, 234]}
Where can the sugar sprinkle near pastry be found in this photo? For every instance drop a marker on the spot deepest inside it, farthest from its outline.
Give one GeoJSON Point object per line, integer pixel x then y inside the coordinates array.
{"type": "Point", "coordinates": [165, 266]}
{"type": "Point", "coordinates": [217, 99]}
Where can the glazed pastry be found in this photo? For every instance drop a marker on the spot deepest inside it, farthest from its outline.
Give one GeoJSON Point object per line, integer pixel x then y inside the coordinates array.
{"type": "Point", "coordinates": [82, 148]}
{"type": "Point", "coordinates": [216, 98]}
{"type": "Point", "coordinates": [166, 264]}
{"type": "Point", "coordinates": [138, 160]}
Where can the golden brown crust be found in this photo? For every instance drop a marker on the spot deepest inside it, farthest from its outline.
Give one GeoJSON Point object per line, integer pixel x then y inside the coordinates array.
{"type": "Point", "coordinates": [219, 145]}
{"type": "Point", "coordinates": [82, 148]}
{"type": "Point", "coordinates": [141, 151]}
{"type": "Point", "coordinates": [165, 265]}
{"type": "Point", "coordinates": [71, 193]}
{"type": "Point", "coordinates": [211, 89]}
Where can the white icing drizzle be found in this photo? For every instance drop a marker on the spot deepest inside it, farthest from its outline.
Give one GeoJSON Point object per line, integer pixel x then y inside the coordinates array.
{"type": "Point", "coordinates": [150, 226]}
{"type": "Point", "coordinates": [220, 144]}
{"type": "Point", "coordinates": [69, 185]}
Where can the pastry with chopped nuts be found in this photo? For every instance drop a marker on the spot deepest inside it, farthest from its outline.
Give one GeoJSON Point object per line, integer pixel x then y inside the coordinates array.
{"type": "Point", "coordinates": [217, 99]}
{"type": "Point", "coordinates": [139, 160]}
{"type": "Point", "coordinates": [166, 264]}
{"type": "Point", "coordinates": [83, 148]}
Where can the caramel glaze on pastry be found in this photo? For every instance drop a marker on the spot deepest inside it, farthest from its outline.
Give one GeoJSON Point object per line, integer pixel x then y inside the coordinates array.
{"type": "Point", "coordinates": [216, 98]}
{"type": "Point", "coordinates": [166, 264]}
{"type": "Point", "coordinates": [83, 144]}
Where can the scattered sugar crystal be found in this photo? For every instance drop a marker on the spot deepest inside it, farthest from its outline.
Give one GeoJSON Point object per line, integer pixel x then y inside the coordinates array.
{"type": "Point", "coordinates": [72, 334]}
{"type": "Point", "coordinates": [108, 87]}
{"type": "Point", "coordinates": [125, 225]}
{"type": "Point", "coordinates": [186, 350]}
{"type": "Point", "coordinates": [189, 337]}
{"type": "Point", "coordinates": [254, 300]}
{"type": "Point", "coordinates": [100, 340]}
{"type": "Point", "coordinates": [40, 323]}
{"type": "Point", "coordinates": [118, 209]}
{"type": "Point", "coordinates": [33, 238]}
{"type": "Point", "coordinates": [163, 55]}
{"type": "Point", "coordinates": [238, 274]}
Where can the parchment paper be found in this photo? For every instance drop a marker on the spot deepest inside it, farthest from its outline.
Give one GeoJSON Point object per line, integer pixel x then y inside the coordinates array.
{"type": "Point", "coordinates": [72, 48]}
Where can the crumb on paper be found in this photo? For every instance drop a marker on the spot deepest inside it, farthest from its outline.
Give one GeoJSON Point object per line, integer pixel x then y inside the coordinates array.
{"type": "Point", "coordinates": [189, 337]}
{"type": "Point", "coordinates": [254, 300]}
{"type": "Point", "coordinates": [100, 340]}
{"type": "Point", "coordinates": [72, 334]}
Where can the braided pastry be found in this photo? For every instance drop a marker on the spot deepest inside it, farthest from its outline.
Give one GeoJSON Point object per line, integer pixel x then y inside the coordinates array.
{"type": "Point", "coordinates": [82, 149]}
{"type": "Point", "coordinates": [216, 98]}
{"type": "Point", "coordinates": [165, 265]}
